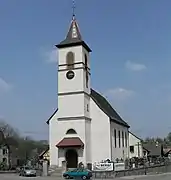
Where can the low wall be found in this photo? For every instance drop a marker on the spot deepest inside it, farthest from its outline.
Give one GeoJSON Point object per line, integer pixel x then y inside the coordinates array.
{"type": "Point", "coordinates": [131, 172]}
{"type": "Point", "coordinates": [7, 172]}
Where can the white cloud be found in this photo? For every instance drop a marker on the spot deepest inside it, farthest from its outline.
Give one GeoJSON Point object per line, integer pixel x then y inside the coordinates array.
{"type": "Point", "coordinates": [120, 94]}
{"type": "Point", "coordinates": [51, 56]}
{"type": "Point", "coordinates": [135, 66]}
{"type": "Point", "coordinates": [4, 86]}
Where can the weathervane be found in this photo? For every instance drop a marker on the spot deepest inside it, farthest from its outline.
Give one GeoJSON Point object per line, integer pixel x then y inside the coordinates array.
{"type": "Point", "coordinates": [73, 9]}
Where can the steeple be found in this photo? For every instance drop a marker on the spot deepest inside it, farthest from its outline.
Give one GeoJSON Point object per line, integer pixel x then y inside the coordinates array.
{"type": "Point", "coordinates": [73, 37]}
{"type": "Point", "coordinates": [74, 34]}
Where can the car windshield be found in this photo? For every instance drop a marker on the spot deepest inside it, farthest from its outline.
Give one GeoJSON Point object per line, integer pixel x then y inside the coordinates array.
{"type": "Point", "coordinates": [74, 170]}
{"type": "Point", "coordinates": [27, 168]}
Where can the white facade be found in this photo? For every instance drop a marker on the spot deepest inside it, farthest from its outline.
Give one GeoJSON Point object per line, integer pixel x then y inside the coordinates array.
{"type": "Point", "coordinates": [135, 146]}
{"type": "Point", "coordinates": [78, 112]}
{"type": "Point", "coordinates": [4, 155]}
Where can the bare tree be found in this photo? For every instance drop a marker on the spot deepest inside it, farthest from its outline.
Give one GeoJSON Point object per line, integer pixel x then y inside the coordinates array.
{"type": "Point", "coordinates": [7, 130]}
{"type": "Point", "coordinates": [8, 137]}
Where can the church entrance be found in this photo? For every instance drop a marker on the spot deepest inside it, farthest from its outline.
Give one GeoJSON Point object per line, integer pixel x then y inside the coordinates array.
{"type": "Point", "coordinates": [71, 158]}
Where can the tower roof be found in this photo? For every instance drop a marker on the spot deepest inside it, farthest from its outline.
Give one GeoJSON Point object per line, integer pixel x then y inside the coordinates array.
{"type": "Point", "coordinates": [73, 37]}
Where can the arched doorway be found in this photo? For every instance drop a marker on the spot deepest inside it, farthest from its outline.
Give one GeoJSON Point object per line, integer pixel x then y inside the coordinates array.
{"type": "Point", "coordinates": [71, 158]}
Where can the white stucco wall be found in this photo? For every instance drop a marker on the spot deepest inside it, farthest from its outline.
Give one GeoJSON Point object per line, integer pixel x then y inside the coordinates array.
{"type": "Point", "coordinates": [136, 142]}
{"type": "Point", "coordinates": [100, 133]}
{"type": "Point", "coordinates": [71, 105]}
{"type": "Point", "coordinates": [88, 141]}
{"type": "Point", "coordinates": [123, 150]}
{"type": "Point", "coordinates": [53, 151]}
{"type": "Point", "coordinates": [71, 85]}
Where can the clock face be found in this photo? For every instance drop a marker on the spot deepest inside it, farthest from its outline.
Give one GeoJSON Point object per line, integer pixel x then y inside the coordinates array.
{"type": "Point", "coordinates": [70, 75]}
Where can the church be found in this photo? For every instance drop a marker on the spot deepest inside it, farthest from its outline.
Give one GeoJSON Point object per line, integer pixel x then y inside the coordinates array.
{"type": "Point", "coordinates": [85, 128]}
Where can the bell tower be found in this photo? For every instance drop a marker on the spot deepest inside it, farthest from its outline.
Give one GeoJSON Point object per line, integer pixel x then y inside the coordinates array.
{"type": "Point", "coordinates": [73, 113]}
{"type": "Point", "coordinates": [74, 89]}
{"type": "Point", "coordinates": [73, 74]}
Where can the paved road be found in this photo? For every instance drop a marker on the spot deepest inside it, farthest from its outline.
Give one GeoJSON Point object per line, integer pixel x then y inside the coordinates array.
{"type": "Point", "coordinates": [149, 177]}
{"type": "Point", "coordinates": [16, 177]}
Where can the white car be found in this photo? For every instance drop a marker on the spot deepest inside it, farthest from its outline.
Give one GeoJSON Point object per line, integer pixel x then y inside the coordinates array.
{"type": "Point", "coordinates": [27, 172]}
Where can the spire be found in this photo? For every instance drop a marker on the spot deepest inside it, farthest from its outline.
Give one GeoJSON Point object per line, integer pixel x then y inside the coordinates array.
{"type": "Point", "coordinates": [74, 32]}
{"type": "Point", "coordinates": [73, 37]}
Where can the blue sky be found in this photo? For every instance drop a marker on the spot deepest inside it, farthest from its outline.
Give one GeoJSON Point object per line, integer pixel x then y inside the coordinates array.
{"type": "Point", "coordinates": [130, 62]}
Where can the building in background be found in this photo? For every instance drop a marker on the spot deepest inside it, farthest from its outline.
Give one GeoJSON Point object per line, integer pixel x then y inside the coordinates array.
{"type": "Point", "coordinates": [4, 154]}
{"type": "Point", "coordinates": [135, 146]}
{"type": "Point", "coordinates": [153, 150]}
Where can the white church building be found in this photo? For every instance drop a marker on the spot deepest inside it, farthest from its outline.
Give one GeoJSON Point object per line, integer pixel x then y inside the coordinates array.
{"type": "Point", "coordinates": [85, 128]}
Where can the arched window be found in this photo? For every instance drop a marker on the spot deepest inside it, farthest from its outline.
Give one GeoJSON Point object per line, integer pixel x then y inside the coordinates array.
{"type": "Point", "coordinates": [71, 131]}
{"type": "Point", "coordinates": [86, 62]}
{"type": "Point", "coordinates": [86, 68]}
{"type": "Point", "coordinates": [70, 60]}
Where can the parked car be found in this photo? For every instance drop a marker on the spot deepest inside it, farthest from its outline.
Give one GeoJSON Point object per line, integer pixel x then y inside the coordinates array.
{"type": "Point", "coordinates": [27, 171]}
{"type": "Point", "coordinates": [78, 173]}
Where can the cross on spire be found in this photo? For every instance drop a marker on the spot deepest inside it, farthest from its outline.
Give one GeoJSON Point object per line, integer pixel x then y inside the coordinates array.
{"type": "Point", "coordinates": [73, 9]}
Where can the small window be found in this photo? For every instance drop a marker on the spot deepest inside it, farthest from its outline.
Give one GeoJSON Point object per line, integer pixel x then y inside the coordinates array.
{"type": "Point", "coordinates": [86, 69]}
{"type": "Point", "coordinates": [71, 131]}
{"type": "Point", "coordinates": [132, 149]}
{"type": "Point", "coordinates": [4, 151]}
{"type": "Point", "coordinates": [70, 60]}
{"type": "Point", "coordinates": [86, 61]}
{"type": "Point", "coordinates": [87, 108]}
{"type": "Point", "coordinates": [119, 137]}
{"type": "Point", "coordinates": [86, 79]}
{"type": "Point", "coordinates": [4, 159]}
{"type": "Point", "coordinates": [126, 140]}
{"type": "Point", "coordinates": [115, 138]}
{"type": "Point", "coordinates": [123, 144]}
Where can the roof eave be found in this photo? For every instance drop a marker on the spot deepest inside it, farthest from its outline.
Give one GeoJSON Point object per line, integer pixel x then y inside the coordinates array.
{"type": "Point", "coordinates": [145, 149]}
{"type": "Point", "coordinates": [71, 44]}
{"type": "Point", "coordinates": [44, 152]}
{"type": "Point", "coordinates": [135, 136]}
{"type": "Point", "coordinates": [120, 123]}
{"type": "Point", "coordinates": [47, 122]}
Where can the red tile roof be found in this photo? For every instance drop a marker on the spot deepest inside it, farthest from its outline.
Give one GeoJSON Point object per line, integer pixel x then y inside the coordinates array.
{"type": "Point", "coordinates": [70, 142]}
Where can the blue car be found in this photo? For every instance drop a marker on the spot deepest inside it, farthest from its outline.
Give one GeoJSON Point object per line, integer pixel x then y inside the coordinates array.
{"type": "Point", "coordinates": [78, 173]}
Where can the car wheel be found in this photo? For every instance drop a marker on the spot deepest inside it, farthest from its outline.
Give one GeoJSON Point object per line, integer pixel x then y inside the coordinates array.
{"type": "Point", "coordinates": [84, 177]}
{"type": "Point", "coordinates": [67, 177]}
